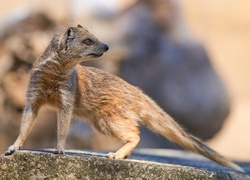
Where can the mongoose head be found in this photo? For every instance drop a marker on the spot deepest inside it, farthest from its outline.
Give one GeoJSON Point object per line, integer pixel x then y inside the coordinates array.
{"type": "Point", "coordinates": [78, 44]}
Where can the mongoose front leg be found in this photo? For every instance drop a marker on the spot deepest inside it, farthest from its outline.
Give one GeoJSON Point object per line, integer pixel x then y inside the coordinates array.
{"type": "Point", "coordinates": [63, 123]}
{"type": "Point", "coordinates": [26, 125]}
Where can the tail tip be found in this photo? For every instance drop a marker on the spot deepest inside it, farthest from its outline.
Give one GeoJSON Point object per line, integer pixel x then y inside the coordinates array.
{"type": "Point", "coordinates": [238, 168]}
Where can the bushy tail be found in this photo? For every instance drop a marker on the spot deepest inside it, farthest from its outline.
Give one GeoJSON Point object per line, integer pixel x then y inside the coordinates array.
{"type": "Point", "coordinates": [162, 123]}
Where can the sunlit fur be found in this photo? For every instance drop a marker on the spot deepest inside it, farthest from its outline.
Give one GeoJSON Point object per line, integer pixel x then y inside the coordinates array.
{"type": "Point", "coordinates": [108, 103]}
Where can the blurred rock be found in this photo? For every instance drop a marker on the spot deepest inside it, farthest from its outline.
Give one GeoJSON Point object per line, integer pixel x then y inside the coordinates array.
{"type": "Point", "coordinates": [22, 39]}
{"type": "Point", "coordinates": [15, 84]}
{"type": "Point", "coordinates": [172, 68]}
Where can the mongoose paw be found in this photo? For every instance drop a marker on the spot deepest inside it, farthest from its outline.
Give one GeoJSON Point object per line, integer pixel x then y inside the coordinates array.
{"type": "Point", "coordinates": [9, 151]}
{"type": "Point", "coordinates": [58, 152]}
{"type": "Point", "coordinates": [111, 155]}
{"type": "Point", "coordinates": [116, 155]}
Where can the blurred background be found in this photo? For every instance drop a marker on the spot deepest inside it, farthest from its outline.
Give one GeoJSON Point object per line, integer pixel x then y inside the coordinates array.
{"type": "Point", "coordinates": [190, 56]}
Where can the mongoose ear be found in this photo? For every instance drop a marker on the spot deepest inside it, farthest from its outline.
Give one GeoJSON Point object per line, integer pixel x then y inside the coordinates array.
{"type": "Point", "coordinates": [70, 34]}
{"type": "Point", "coordinates": [65, 38]}
{"type": "Point", "coordinates": [79, 26]}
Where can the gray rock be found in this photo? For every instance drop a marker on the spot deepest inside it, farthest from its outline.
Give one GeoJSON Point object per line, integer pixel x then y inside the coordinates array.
{"type": "Point", "coordinates": [175, 72]}
{"type": "Point", "coordinates": [77, 165]}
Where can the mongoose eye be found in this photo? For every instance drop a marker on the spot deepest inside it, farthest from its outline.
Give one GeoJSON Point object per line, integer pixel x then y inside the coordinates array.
{"type": "Point", "coordinates": [88, 42]}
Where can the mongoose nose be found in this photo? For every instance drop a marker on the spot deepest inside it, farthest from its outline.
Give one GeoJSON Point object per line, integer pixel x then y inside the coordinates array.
{"type": "Point", "coordinates": [105, 47]}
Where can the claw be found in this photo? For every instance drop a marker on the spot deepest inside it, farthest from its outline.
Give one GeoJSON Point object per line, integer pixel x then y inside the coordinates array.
{"type": "Point", "coordinates": [58, 152]}
{"type": "Point", "coordinates": [9, 151]}
{"type": "Point", "coordinates": [111, 155]}
{"type": "Point", "coordinates": [116, 155]}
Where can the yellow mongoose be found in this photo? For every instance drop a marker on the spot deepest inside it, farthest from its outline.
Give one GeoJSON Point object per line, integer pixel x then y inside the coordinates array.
{"type": "Point", "coordinates": [108, 103]}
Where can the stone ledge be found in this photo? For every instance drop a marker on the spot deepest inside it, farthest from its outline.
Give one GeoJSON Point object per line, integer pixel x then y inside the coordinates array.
{"type": "Point", "coordinates": [79, 165]}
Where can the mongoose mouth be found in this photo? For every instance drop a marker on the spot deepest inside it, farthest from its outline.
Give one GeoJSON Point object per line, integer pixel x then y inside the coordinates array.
{"type": "Point", "coordinates": [95, 55]}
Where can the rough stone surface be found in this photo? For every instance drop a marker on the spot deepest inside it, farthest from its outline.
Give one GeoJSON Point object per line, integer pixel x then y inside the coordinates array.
{"type": "Point", "coordinates": [45, 165]}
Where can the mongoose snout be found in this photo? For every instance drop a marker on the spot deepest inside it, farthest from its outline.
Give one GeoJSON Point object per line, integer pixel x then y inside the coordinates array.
{"type": "Point", "coordinates": [102, 48]}
{"type": "Point", "coordinates": [105, 47]}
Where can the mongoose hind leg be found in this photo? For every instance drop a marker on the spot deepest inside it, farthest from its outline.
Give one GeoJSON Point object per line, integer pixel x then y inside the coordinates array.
{"type": "Point", "coordinates": [127, 131]}
{"type": "Point", "coordinates": [125, 150]}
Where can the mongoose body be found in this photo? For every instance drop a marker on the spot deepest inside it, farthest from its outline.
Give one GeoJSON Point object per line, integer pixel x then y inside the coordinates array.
{"type": "Point", "coordinates": [108, 103]}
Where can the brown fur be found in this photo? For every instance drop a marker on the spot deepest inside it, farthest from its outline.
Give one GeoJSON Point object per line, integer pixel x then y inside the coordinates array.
{"type": "Point", "coordinates": [108, 103]}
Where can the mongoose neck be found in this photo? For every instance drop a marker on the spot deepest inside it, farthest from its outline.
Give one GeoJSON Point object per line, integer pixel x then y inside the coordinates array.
{"type": "Point", "coordinates": [53, 65]}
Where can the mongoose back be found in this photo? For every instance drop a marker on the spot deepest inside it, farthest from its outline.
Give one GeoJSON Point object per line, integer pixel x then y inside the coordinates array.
{"type": "Point", "coordinates": [108, 103]}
